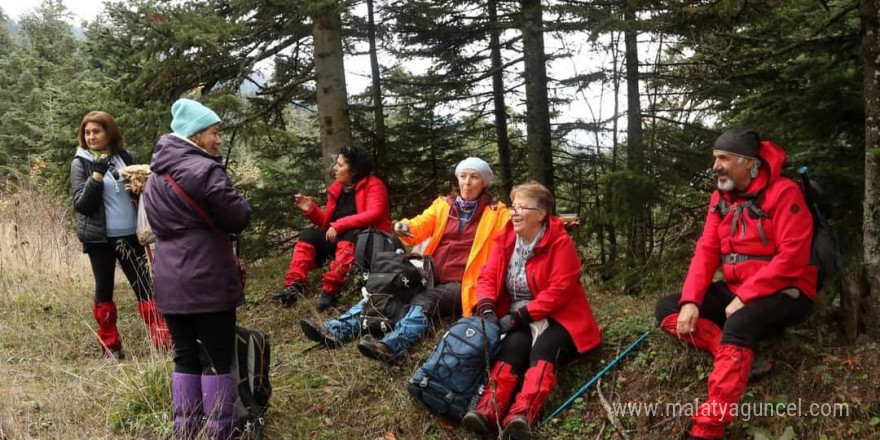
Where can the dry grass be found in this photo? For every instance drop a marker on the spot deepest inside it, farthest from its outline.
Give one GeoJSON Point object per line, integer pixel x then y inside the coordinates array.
{"type": "Point", "coordinates": [57, 385]}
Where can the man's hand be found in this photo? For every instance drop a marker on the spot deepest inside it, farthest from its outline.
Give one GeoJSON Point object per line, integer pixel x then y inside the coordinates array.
{"type": "Point", "coordinates": [331, 235]}
{"type": "Point", "coordinates": [687, 319]}
{"type": "Point", "coordinates": [734, 305]}
{"type": "Point", "coordinates": [303, 202]}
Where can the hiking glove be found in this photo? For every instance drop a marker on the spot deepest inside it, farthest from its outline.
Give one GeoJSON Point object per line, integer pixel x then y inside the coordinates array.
{"type": "Point", "coordinates": [490, 317]}
{"type": "Point", "coordinates": [100, 166]}
{"type": "Point", "coordinates": [507, 323]}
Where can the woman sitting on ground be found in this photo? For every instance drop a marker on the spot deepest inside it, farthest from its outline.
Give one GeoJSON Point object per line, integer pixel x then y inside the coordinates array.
{"type": "Point", "coordinates": [532, 279]}
{"type": "Point", "coordinates": [192, 206]}
{"type": "Point", "coordinates": [357, 199]}
{"type": "Point", "coordinates": [462, 228]}
{"type": "Point", "coordinates": [106, 221]}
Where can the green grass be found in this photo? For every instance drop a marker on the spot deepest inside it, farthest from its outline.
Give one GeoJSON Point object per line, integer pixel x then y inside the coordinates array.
{"type": "Point", "coordinates": [57, 386]}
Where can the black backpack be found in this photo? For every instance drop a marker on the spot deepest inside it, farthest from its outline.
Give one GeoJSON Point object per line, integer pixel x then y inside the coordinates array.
{"type": "Point", "coordinates": [452, 379]}
{"type": "Point", "coordinates": [369, 243]}
{"type": "Point", "coordinates": [824, 253]}
{"type": "Point", "coordinates": [250, 369]}
{"type": "Point", "coordinates": [389, 287]}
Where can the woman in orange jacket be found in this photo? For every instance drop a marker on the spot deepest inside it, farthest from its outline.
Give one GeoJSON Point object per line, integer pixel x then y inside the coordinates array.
{"type": "Point", "coordinates": [461, 229]}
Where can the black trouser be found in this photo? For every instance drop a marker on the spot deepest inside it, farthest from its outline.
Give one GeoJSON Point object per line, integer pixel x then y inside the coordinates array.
{"type": "Point", "coordinates": [441, 301]}
{"type": "Point", "coordinates": [324, 250]}
{"type": "Point", "coordinates": [133, 260]}
{"type": "Point", "coordinates": [757, 320]}
{"type": "Point", "coordinates": [203, 342]}
{"type": "Point", "coordinates": [554, 345]}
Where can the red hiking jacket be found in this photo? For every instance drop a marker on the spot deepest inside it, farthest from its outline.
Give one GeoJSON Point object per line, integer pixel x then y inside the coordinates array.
{"type": "Point", "coordinates": [554, 277]}
{"type": "Point", "coordinates": [371, 202]}
{"type": "Point", "coordinates": [782, 239]}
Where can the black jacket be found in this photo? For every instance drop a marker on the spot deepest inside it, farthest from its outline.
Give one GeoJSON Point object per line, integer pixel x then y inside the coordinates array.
{"type": "Point", "coordinates": [88, 199]}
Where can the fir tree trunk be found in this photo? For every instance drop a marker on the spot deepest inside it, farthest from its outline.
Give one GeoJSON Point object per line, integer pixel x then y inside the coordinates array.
{"type": "Point", "coordinates": [635, 157]}
{"type": "Point", "coordinates": [870, 51]}
{"type": "Point", "coordinates": [498, 101]}
{"type": "Point", "coordinates": [378, 108]}
{"type": "Point", "coordinates": [333, 112]}
{"type": "Point", "coordinates": [538, 144]}
{"type": "Point", "coordinates": [615, 144]}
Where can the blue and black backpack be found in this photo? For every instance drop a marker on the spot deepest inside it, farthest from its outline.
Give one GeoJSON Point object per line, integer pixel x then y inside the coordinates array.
{"type": "Point", "coordinates": [450, 381]}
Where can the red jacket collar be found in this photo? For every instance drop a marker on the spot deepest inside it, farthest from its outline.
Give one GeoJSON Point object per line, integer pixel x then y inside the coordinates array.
{"type": "Point", "coordinates": [555, 229]}
{"type": "Point", "coordinates": [335, 188]}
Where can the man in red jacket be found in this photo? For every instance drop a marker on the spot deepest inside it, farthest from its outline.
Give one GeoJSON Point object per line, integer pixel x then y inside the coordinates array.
{"type": "Point", "coordinates": [759, 231]}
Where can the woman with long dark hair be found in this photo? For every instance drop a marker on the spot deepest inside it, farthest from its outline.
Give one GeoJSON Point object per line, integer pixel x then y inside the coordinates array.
{"type": "Point", "coordinates": [356, 200]}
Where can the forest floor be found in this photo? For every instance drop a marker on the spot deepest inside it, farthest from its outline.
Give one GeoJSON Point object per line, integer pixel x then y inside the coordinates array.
{"type": "Point", "coordinates": [57, 386]}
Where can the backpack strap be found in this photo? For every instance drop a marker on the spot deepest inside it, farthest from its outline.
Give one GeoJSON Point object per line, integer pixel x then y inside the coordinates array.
{"type": "Point", "coordinates": [201, 212]}
{"type": "Point", "coordinates": [721, 207]}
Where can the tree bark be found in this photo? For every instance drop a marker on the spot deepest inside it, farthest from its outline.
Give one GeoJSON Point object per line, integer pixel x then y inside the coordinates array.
{"type": "Point", "coordinates": [615, 144]}
{"type": "Point", "coordinates": [635, 157]}
{"type": "Point", "coordinates": [538, 142]}
{"type": "Point", "coordinates": [379, 141]}
{"type": "Point", "coordinates": [852, 286]}
{"type": "Point", "coordinates": [334, 119]}
{"type": "Point", "coordinates": [870, 50]}
{"type": "Point", "coordinates": [498, 101]}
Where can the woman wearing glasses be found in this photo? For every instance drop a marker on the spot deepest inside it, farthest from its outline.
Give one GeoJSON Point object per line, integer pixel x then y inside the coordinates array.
{"type": "Point", "coordinates": [532, 280]}
{"type": "Point", "coordinates": [355, 200]}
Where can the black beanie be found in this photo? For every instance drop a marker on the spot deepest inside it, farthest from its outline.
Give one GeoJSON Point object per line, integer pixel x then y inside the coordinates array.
{"type": "Point", "coordinates": [739, 140]}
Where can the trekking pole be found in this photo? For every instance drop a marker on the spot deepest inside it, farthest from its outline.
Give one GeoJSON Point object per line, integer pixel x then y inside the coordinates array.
{"type": "Point", "coordinates": [598, 376]}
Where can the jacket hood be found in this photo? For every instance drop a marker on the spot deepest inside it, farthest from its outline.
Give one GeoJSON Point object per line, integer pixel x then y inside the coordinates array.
{"type": "Point", "coordinates": [82, 153]}
{"type": "Point", "coordinates": [171, 150]}
{"type": "Point", "coordinates": [772, 160]}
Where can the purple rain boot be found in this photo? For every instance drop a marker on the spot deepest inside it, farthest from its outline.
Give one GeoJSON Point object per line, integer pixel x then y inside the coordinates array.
{"type": "Point", "coordinates": [186, 395]}
{"type": "Point", "coordinates": [218, 403]}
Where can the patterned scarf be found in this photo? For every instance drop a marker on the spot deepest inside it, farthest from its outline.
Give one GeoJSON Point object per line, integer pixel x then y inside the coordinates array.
{"type": "Point", "coordinates": [466, 210]}
{"type": "Point", "coordinates": [517, 284]}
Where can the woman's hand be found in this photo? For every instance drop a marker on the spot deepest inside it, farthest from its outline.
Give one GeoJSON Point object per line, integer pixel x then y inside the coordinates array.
{"type": "Point", "coordinates": [100, 167]}
{"type": "Point", "coordinates": [303, 202]}
{"type": "Point", "coordinates": [507, 323]}
{"type": "Point", "coordinates": [331, 235]}
{"type": "Point", "coordinates": [402, 229]}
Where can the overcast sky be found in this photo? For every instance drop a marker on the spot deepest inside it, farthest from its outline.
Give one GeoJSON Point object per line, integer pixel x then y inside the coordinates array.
{"type": "Point", "coordinates": [82, 9]}
{"type": "Point", "coordinates": [589, 103]}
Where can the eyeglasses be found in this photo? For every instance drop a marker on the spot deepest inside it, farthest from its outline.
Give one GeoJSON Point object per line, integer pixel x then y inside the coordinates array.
{"type": "Point", "coordinates": [518, 210]}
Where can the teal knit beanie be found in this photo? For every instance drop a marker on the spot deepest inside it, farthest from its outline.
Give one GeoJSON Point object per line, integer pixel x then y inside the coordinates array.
{"type": "Point", "coordinates": [190, 117]}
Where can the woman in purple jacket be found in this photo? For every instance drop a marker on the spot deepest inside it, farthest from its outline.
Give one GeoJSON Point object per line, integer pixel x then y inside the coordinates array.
{"type": "Point", "coordinates": [197, 284]}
